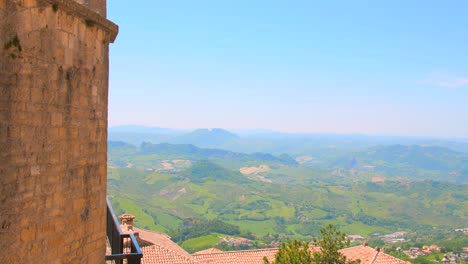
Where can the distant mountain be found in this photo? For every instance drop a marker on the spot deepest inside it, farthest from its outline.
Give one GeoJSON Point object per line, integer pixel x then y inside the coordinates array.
{"type": "Point", "coordinates": [459, 145]}
{"type": "Point", "coordinates": [188, 151]}
{"type": "Point", "coordinates": [411, 161]}
{"type": "Point", "coordinates": [324, 147]}
{"type": "Point", "coordinates": [119, 145]}
{"type": "Point", "coordinates": [138, 138]}
{"type": "Point", "coordinates": [206, 137]}
{"type": "Point", "coordinates": [145, 130]}
{"type": "Point", "coordinates": [138, 134]}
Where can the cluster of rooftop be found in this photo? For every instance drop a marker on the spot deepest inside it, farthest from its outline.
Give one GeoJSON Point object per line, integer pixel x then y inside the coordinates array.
{"type": "Point", "coordinates": [159, 248]}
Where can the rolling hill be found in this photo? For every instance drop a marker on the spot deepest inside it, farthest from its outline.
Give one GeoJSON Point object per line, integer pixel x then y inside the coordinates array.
{"type": "Point", "coordinates": [378, 189]}
{"type": "Point", "coordinates": [415, 162]}
{"type": "Point", "coordinates": [148, 154]}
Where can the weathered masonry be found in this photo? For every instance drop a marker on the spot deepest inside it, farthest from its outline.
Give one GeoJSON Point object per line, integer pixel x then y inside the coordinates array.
{"type": "Point", "coordinates": [54, 71]}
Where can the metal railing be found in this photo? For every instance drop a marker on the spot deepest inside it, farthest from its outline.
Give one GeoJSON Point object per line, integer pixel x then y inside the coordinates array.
{"type": "Point", "coordinates": [123, 246]}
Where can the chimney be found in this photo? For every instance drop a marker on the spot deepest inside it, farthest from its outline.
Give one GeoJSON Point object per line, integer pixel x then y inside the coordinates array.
{"type": "Point", "coordinates": [126, 221]}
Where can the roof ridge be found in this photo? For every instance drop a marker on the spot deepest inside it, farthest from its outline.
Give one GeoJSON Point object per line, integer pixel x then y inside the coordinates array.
{"type": "Point", "coordinates": [375, 257]}
{"type": "Point", "coordinates": [188, 257]}
{"type": "Point", "coordinates": [251, 250]}
{"type": "Point", "coordinates": [355, 247]}
{"type": "Point", "coordinates": [240, 251]}
{"type": "Point", "coordinates": [166, 246]}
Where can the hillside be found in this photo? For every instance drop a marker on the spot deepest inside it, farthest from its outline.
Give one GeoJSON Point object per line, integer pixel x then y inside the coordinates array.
{"type": "Point", "coordinates": [380, 189]}
{"type": "Point", "coordinates": [162, 201]}
{"type": "Point", "coordinates": [327, 147]}
{"type": "Point", "coordinates": [204, 171]}
{"type": "Point", "coordinates": [416, 162]}
{"type": "Point", "coordinates": [150, 155]}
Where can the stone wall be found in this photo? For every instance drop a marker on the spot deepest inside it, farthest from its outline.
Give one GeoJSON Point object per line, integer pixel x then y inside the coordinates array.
{"type": "Point", "coordinates": [53, 130]}
{"type": "Point", "coordinates": [98, 6]}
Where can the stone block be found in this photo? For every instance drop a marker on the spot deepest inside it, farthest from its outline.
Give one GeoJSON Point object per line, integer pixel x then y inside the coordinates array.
{"type": "Point", "coordinates": [56, 120]}
{"type": "Point", "coordinates": [69, 56]}
{"type": "Point", "coordinates": [25, 26]}
{"type": "Point", "coordinates": [29, 3]}
{"type": "Point", "coordinates": [35, 170]}
{"type": "Point", "coordinates": [56, 241]}
{"type": "Point", "coordinates": [28, 234]}
{"type": "Point", "coordinates": [37, 95]}
{"type": "Point", "coordinates": [78, 204]}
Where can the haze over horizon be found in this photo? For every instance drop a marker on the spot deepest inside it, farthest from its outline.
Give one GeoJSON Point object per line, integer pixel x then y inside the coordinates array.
{"type": "Point", "coordinates": [145, 129]}
{"type": "Point", "coordinates": [365, 67]}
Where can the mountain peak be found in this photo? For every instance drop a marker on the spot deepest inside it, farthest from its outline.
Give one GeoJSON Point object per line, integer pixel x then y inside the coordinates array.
{"type": "Point", "coordinates": [206, 137]}
{"type": "Point", "coordinates": [214, 132]}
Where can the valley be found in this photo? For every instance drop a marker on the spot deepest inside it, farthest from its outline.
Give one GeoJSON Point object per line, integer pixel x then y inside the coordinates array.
{"type": "Point", "coordinates": [363, 190]}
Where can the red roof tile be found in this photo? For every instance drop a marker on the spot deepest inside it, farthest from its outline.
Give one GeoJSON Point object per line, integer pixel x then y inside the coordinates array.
{"type": "Point", "coordinates": [366, 254]}
{"type": "Point", "coordinates": [161, 255]}
{"type": "Point", "coordinates": [208, 251]}
{"type": "Point", "coordinates": [383, 258]}
{"type": "Point", "coordinates": [369, 255]}
{"type": "Point", "coordinates": [239, 257]}
{"type": "Point", "coordinates": [163, 250]}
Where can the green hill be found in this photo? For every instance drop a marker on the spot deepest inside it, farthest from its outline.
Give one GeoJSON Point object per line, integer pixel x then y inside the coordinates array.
{"type": "Point", "coordinates": [162, 201]}
{"type": "Point", "coordinates": [166, 184]}
{"type": "Point", "coordinates": [203, 171]}
{"type": "Point", "coordinates": [148, 155]}
{"type": "Point", "coordinates": [416, 162]}
{"type": "Point", "coordinates": [206, 137]}
{"type": "Point", "coordinates": [192, 152]}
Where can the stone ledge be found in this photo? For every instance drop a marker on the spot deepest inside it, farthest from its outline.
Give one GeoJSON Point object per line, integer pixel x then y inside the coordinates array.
{"type": "Point", "coordinates": [87, 14]}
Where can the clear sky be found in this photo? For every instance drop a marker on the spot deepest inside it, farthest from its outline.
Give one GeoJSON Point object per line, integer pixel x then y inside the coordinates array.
{"type": "Point", "coordinates": [368, 67]}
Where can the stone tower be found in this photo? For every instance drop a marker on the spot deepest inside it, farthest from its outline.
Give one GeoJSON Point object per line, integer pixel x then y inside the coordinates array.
{"type": "Point", "coordinates": [53, 130]}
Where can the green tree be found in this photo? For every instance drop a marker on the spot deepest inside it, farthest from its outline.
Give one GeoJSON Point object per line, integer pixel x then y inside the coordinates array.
{"type": "Point", "coordinates": [332, 241]}
{"type": "Point", "coordinates": [297, 252]}
{"type": "Point", "coordinates": [292, 252]}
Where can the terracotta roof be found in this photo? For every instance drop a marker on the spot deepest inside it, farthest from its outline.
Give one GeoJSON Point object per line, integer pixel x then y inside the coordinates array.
{"type": "Point", "coordinates": [163, 250]}
{"type": "Point", "coordinates": [369, 255]}
{"type": "Point", "coordinates": [158, 248]}
{"type": "Point", "coordinates": [208, 251]}
{"type": "Point", "coordinates": [161, 255]}
{"type": "Point", "coordinates": [239, 257]}
{"type": "Point", "coordinates": [382, 258]}
{"type": "Point", "coordinates": [366, 254]}
{"type": "Point", "coordinates": [161, 244]}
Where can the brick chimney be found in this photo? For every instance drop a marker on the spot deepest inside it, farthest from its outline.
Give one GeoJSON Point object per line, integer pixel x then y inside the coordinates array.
{"type": "Point", "coordinates": [126, 221]}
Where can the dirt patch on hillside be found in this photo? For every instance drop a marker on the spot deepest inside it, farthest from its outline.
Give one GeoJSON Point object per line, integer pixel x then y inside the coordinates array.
{"type": "Point", "coordinates": [167, 166]}
{"type": "Point", "coordinates": [263, 179]}
{"type": "Point", "coordinates": [304, 159]}
{"type": "Point", "coordinates": [254, 170]}
{"type": "Point", "coordinates": [182, 163]}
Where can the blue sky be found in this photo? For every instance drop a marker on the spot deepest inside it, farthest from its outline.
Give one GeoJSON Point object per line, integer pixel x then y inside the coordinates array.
{"type": "Point", "coordinates": [367, 67]}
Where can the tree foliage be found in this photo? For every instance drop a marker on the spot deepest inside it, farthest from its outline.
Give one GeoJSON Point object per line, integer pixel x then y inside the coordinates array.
{"type": "Point", "coordinates": [293, 252]}
{"type": "Point", "coordinates": [198, 227]}
{"type": "Point", "coordinates": [332, 241]}
{"type": "Point", "coordinates": [297, 252]}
